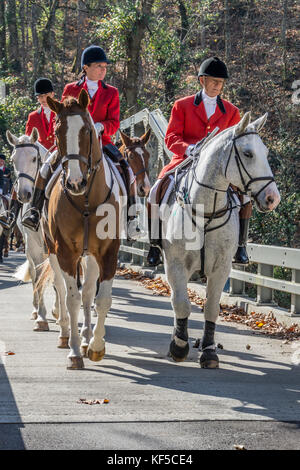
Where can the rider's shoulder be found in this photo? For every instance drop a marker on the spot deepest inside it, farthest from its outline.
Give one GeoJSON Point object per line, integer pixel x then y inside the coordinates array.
{"type": "Point", "coordinates": [185, 101]}
{"type": "Point", "coordinates": [34, 114]}
{"type": "Point", "coordinates": [229, 106]}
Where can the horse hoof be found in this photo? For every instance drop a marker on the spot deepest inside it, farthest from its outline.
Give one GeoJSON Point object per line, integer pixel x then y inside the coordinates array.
{"type": "Point", "coordinates": [209, 360]}
{"type": "Point", "coordinates": [34, 315]}
{"type": "Point", "coordinates": [41, 326]}
{"type": "Point", "coordinates": [63, 342]}
{"type": "Point", "coordinates": [96, 356]}
{"type": "Point", "coordinates": [84, 350]}
{"type": "Point", "coordinates": [177, 353]}
{"type": "Point", "coordinates": [75, 362]}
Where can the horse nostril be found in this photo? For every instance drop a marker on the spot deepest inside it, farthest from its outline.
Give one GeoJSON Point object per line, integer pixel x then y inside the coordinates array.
{"type": "Point", "coordinates": [28, 196]}
{"type": "Point", "coordinates": [270, 200]}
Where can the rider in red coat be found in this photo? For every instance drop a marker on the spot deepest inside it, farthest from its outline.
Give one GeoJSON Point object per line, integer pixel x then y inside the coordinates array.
{"type": "Point", "coordinates": [192, 118]}
{"type": "Point", "coordinates": [42, 118]}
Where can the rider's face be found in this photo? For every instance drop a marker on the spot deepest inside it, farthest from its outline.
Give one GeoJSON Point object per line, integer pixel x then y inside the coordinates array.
{"type": "Point", "coordinates": [212, 85]}
{"type": "Point", "coordinates": [1, 162]}
{"type": "Point", "coordinates": [96, 70]}
{"type": "Point", "coordinates": [42, 99]}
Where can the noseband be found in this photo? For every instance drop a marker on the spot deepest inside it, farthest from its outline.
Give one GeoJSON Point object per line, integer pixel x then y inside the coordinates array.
{"type": "Point", "coordinates": [39, 160]}
{"type": "Point", "coordinates": [131, 148]}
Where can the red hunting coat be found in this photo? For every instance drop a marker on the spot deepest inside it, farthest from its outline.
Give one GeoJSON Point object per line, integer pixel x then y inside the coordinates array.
{"type": "Point", "coordinates": [188, 124]}
{"type": "Point", "coordinates": [46, 129]}
{"type": "Point", "coordinates": [104, 107]}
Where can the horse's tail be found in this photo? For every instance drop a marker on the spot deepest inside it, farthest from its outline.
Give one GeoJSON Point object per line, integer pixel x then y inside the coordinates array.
{"type": "Point", "coordinates": [22, 272]}
{"type": "Point", "coordinates": [45, 276]}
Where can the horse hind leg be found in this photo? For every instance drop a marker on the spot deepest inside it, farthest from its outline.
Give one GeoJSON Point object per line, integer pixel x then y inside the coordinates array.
{"type": "Point", "coordinates": [177, 278]}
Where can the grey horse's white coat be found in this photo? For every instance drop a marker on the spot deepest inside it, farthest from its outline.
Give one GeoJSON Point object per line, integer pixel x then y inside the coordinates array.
{"type": "Point", "coordinates": [220, 244]}
{"type": "Point", "coordinates": [26, 161]}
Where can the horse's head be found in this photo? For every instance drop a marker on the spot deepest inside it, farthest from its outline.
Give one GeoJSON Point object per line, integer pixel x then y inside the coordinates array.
{"type": "Point", "coordinates": [137, 155]}
{"type": "Point", "coordinates": [26, 159]}
{"type": "Point", "coordinates": [252, 172]}
{"type": "Point", "coordinates": [75, 138]}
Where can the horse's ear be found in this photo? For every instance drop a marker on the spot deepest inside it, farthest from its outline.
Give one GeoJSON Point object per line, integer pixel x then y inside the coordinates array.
{"type": "Point", "coordinates": [12, 139]}
{"type": "Point", "coordinates": [125, 139]}
{"type": "Point", "coordinates": [54, 105]}
{"type": "Point", "coordinates": [34, 135]}
{"type": "Point", "coordinates": [145, 138]}
{"type": "Point", "coordinates": [260, 122]}
{"type": "Point", "coordinates": [83, 99]}
{"type": "Point", "coordinates": [244, 122]}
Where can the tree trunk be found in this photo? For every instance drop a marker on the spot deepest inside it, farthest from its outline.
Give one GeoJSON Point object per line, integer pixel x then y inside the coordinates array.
{"type": "Point", "coordinates": [133, 46]}
{"type": "Point", "coordinates": [35, 43]}
{"type": "Point", "coordinates": [22, 16]}
{"type": "Point", "coordinates": [227, 31]}
{"type": "Point", "coordinates": [283, 38]}
{"type": "Point", "coordinates": [81, 19]}
{"type": "Point", "coordinates": [13, 44]}
{"type": "Point", "coordinates": [3, 56]}
{"type": "Point", "coordinates": [48, 35]}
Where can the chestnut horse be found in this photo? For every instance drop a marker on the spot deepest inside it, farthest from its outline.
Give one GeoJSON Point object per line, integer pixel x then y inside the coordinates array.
{"type": "Point", "coordinates": [78, 202]}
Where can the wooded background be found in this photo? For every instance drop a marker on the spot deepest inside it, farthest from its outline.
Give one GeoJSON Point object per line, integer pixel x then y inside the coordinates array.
{"type": "Point", "coordinates": [156, 47]}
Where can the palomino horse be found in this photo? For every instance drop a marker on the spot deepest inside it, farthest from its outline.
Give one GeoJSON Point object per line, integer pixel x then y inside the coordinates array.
{"type": "Point", "coordinates": [238, 156]}
{"type": "Point", "coordinates": [27, 157]}
{"type": "Point", "coordinates": [87, 190]}
{"type": "Point", "coordinates": [136, 154]}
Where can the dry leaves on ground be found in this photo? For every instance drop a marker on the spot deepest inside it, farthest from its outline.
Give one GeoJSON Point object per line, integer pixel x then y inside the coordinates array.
{"type": "Point", "coordinates": [101, 401]}
{"type": "Point", "coordinates": [264, 323]}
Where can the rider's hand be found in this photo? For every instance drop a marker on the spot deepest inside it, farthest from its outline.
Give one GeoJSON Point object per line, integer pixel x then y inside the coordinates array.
{"type": "Point", "coordinates": [99, 127]}
{"type": "Point", "coordinates": [189, 150]}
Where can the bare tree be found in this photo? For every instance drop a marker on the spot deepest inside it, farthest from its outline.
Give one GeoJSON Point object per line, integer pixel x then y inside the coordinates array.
{"type": "Point", "coordinates": [3, 55]}
{"type": "Point", "coordinates": [13, 44]}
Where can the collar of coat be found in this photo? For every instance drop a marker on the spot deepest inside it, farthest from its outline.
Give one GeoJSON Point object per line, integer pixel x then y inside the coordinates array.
{"type": "Point", "coordinates": [82, 80]}
{"type": "Point", "coordinates": [199, 98]}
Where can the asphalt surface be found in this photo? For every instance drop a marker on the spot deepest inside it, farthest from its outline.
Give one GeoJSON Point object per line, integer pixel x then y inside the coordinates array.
{"type": "Point", "coordinates": [253, 400]}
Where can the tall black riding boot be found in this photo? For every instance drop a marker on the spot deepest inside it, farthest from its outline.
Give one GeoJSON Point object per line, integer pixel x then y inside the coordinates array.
{"type": "Point", "coordinates": [32, 217]}
{"type": "Point", "coordinates": [241, 256]}
{"type": "Point", "coordinates": [8, 220]}
{"type": "Point", "coordinates": [154, 257]}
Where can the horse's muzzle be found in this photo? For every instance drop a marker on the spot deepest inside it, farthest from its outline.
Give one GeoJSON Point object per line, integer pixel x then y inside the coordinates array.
{"type": "Point", "coordinates": [269, 199]}
{"type": "Point", "coordinates": [77, 188]}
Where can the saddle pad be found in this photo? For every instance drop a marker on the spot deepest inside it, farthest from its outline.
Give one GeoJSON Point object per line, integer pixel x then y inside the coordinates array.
{"type": "Point", "coordinates": [117, 175]}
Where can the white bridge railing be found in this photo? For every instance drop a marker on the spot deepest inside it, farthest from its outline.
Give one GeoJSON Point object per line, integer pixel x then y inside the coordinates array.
{"type": "Point", "coordinates": [266, 258]}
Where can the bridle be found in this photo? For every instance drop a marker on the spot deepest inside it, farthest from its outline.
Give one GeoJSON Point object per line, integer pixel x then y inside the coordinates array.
{"type": "Point", "coordinates": [184, 196]}
{"type": "Point", "coordinates": [131, 148]}
{"type": "Point", "coordinates": [39, 161]}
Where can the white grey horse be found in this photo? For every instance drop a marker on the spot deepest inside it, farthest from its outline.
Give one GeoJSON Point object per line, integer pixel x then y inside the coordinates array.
{"type": "Point", "coordinates": [235, 156]}
{"type": "Point", "coordinates": [27, 157]}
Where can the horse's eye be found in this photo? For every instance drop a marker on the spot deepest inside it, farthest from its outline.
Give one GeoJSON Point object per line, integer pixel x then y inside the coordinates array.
{"type": "Point", "coordinates": [34, 159]}
{"type": "Point", "coordinates": [248, 154]}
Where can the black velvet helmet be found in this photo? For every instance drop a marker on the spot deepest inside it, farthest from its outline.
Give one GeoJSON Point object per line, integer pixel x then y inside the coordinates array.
{"type": "Point", "coordinates": [42, 85]}
{"type": "Point", "coordinates": [2, 156]}
{"type": "Point", "coordinates": [213, 67]}
{"type": "Point", "coordinates": [93, 54]}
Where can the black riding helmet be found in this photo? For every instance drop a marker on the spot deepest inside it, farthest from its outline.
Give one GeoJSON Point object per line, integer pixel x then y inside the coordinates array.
{"type": "Point", "coordinates": [42, 86]}
{"type": "Point", "coordinates": [213, 67]}
{"type": "Point", "coordinates": [93, 54]}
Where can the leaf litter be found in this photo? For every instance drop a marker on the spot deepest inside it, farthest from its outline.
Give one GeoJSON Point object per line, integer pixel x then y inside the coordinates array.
{"type": "Point", "coordinates": [266, 324]}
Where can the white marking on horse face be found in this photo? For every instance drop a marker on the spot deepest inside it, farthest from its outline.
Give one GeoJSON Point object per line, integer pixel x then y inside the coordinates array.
{"type": "Point", "coordinates": [146, 182]}
{"type": "Point", "coordinates": [75, 123]}
{"type": "Point", "coordinates": [25, 161]}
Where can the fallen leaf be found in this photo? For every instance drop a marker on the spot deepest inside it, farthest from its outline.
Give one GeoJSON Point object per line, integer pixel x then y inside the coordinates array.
{"type": "Point", "coordinates": [93, 402]}
{"type": "Point", "coordinates": [239, 447]}
{"type": "Point", "coordinates": [248, 346]}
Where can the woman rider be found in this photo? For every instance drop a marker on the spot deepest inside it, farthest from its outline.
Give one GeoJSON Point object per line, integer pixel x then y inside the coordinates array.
{"type": "Point", "coordinates": [104, 108]}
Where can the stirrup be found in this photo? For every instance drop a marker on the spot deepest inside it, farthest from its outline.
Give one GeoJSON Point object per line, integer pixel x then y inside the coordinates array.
{"type": "Point", "coordinates": [133, 231]}
{"type": "Point", "coordinates": [28, 216]}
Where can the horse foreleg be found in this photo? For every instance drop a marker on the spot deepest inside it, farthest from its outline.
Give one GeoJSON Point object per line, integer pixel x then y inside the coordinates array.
{"type": "Point", "coordinates": [75, 360]}
{"type": "Point", "coordinates": [96, 349]}
{"type": "Point", "coordinates": [91, 274]}
{"type": "Point", "coordinates": [177, 277]}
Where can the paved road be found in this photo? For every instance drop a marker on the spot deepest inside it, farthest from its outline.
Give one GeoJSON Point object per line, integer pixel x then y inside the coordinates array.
{"type": "Point", "coordinates": [252, 400]}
